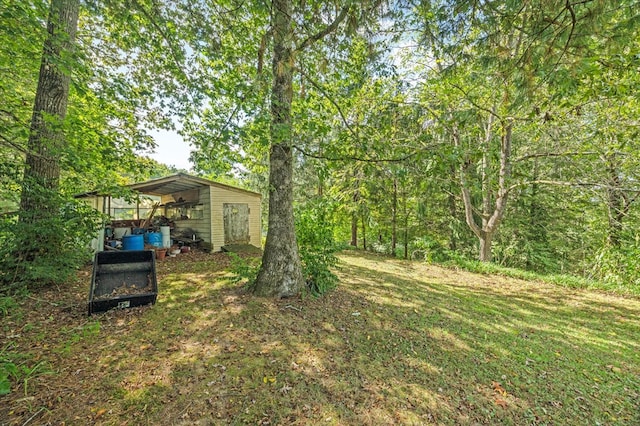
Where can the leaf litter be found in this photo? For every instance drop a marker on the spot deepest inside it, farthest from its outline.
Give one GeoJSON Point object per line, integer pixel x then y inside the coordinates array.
{"type": "Point", "coordinates": [427, 346]}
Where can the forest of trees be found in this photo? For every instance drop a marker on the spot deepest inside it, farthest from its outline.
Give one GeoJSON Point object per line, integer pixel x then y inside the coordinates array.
{"type": "Point", "coordinates": [498, 130]}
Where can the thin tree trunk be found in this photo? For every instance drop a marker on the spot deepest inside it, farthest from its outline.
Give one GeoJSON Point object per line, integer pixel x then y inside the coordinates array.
{"type": "Point", "coordinates": [486, 188]}
{"type": "Point", "coordinates": [406, 225]}
{"type": "Point", "coordinates": [354, 229]}
{"type": "Point", "coordinates": [320, 178]}
{"type": "Point", "coordinates": [354, 218]}
{"type": "Point", "coordinates": [453, 212]}
{"type": "Point", "coordinates": [281, 271]}
{"type": "Point", "coordinates": [616, 204]}
{"type": "Point", "coordinates": [364, 234]}
{"type": "Point", "coordinates": [534, 212]}
{"type": "Point", "coordinates": [485, 246]}
{"type": "Point", "coordinates": [394, 218]}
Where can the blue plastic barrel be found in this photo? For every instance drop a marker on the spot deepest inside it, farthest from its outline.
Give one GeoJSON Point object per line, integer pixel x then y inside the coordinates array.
{"type": "Point", "coordinates": [132, 242]}
{"type": "Point", "coordinates": [154, 238]}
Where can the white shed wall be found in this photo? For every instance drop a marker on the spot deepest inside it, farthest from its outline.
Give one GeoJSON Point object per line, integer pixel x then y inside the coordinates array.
{"type": "Point", "coordinates": [220, 196]}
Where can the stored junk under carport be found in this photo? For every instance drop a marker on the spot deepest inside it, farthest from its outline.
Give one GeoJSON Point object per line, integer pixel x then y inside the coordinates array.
{"type": "Point", "coordinates": [199, 211]}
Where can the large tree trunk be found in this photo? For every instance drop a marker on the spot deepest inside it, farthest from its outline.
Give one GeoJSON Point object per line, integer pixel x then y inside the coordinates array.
{"type": "Point", "coordinates": [46, 138]}
{"type": "Point", "coordinates": [281, 271]}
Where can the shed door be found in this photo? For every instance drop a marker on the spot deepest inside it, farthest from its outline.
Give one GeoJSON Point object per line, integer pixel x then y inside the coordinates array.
{"type": "Point", "coordinates": [236, 223]}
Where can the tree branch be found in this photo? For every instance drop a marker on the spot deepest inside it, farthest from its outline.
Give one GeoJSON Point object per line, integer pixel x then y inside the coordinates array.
{"type": "Point", "coordinates": [333, 102]}
{"type": "Point", "coordinates": [10, 114]}
{"type": "Point", "coordinates": [166, 38]}
{"type": "Point", "coordinates": [566, 183]}
{"type": "Point", "coordinates": [554, 154]}
{"type": "Point", "coordinates": [325, 31]}
{"type": "Point", "coordinates": [476, 105]}
{"type": "Point", "coordinates": [630, 201]}
{"type": "Point", "coordinates": [16, 146]}
{"type": "Point", "coordinates": [354, 158]}
{"type": "Point", "coordinates": [466, 194]}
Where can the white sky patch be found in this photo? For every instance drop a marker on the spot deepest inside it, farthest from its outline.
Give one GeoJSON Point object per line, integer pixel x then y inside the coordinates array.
{"type": "Point", "coordinates": [171, 149]}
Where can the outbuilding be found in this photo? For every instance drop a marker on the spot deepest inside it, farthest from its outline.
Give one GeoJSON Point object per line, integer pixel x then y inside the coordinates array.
{"type": "Point", "coordinates": [211, 213]}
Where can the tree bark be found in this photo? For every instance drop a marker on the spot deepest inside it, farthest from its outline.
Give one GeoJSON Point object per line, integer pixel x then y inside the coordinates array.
{"type": "Point", "coordinates": [394, 218]}
{"type": "Point", "coordinates": [618, 203]}
{"type": "Point", "coordinates": [364, 233]}
{"type": "Point", "coordinates": [354, 216]}
{"type": "Point", "coordinates": [453, 213]}
{"type": "Point", "coordinates": [281, 271]}
{"type": "Point", "coordinates": [354, 229]}
{"type": "Point", "coordinates": [490, 220]}
{"type": "Point", "coordinates": [406, 225]}
{"type": "Point", "coordinates": [485, 246]}
{"type": "Point", "coordinates": [46, 137]}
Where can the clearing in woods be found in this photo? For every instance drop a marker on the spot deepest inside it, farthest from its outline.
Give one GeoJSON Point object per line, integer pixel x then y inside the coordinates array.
{"type": "Point", "coordinates": [397, 343]}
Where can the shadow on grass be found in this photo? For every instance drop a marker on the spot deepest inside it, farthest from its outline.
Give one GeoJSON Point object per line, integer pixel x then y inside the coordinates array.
{"type": "Point", "coordinates": [563, 354]}
{"type": "Point", "coordinates": [396, 343]}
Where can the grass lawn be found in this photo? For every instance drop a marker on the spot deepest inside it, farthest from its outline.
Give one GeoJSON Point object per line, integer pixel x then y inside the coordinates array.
{"type": "Point", "coordinates": [397, 343]}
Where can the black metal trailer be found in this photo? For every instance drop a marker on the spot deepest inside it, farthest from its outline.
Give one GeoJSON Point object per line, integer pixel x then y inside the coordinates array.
{"type": "Point", "coordinates": [123, 279]}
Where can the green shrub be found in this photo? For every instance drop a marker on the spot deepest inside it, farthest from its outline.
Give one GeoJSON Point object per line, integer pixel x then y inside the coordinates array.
{"type": "Point", "coordinates": [45, 247]}
{"type": "Point", "coordinates": [317, 245]}
{"type": "Point", "coordinates": [380, 247]}
{"type": "Point", "coordinates": [618, 267]}
{"type": "Point", "coordinates": [7, 370]}
{"type": "Point", "coordinates": [428, 249]}
{"type": "Point", "coordinates": [7, 305]}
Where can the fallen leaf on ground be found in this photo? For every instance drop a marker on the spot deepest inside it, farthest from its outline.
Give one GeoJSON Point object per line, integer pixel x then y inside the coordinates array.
{"type": "Point", "coordinates": [501, 402]}
{"type": "Point", "coordinates": [498, 388]}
